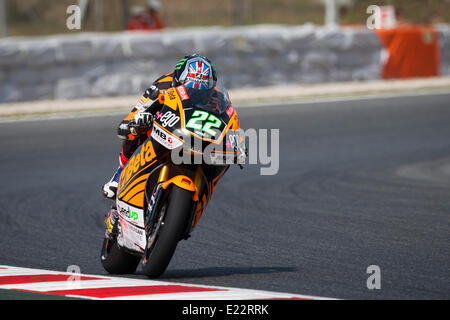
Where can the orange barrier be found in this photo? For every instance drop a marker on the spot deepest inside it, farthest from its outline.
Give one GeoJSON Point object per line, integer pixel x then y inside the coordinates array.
{"type": "Point", "coordinates": [413, 51]}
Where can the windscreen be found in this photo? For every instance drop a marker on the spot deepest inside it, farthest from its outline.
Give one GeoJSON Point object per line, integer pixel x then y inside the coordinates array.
{"type": "Point", "coordinates": [215, 99]}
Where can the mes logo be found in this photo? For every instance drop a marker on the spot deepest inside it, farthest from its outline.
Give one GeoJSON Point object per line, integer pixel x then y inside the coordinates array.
{"type": "Point", "coordinates": [166, 139]}
{"type": "Point", "coordinates": [163, 138]}
{"type": "Point", "coordinates": [160, 133]}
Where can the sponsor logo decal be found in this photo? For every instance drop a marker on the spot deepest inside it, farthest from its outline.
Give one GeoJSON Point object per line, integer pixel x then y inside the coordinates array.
{"type": "Point", "coordinates": [169, 119]}
{"type": "Point", "coordinates": [182, 93]}
{"type": "Point", "coordinates": [132, 215]}
{"type": "Point", "coordinates": [164, 138]}
{"type": "Point", "coordinates": [171, 94]}
{"type": "Point", "coordinates": [143, 100]}
{"type": "Point", "coordinates": [137, 161]}
{"type": "Point", "coordinates": [230, 110]}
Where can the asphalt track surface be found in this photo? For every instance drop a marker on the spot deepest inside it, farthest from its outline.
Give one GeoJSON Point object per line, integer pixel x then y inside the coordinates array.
{"type": "Point", "coordinates": [363, 182]}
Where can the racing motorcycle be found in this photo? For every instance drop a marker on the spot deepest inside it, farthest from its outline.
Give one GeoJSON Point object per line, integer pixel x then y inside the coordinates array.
{"type": "Point", "coordinates": [161, 199]}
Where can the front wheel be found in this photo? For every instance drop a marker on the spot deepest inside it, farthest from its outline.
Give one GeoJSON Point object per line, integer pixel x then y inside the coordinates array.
{"type": "Point", "coordinates": [116, 260]}
{"type": "Point", "coordinates": [169, 230]}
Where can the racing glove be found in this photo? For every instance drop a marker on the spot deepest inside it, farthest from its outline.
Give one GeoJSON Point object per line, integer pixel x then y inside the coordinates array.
{"type": "Point", "coordinates": [242, 153]}
{"type": "Point", "coordinates": [143, 119]}
{"type": "Point", "coordinates": [142, 122]}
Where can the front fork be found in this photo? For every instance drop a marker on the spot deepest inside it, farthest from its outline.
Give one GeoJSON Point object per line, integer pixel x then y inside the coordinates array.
{"type": "Point", "coordinates": [181, 181]}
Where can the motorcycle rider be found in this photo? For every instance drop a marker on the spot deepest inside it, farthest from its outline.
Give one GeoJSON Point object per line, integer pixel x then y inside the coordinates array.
{"type": "Point", "coordinates": [150, 103]}
{"type": "Point", "coordinates": [193, 71]}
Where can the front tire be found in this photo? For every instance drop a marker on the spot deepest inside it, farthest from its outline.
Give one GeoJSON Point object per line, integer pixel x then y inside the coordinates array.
{"type": "Point", "coordinates": [157, 258]}
{"type": "Point", "coordinates": [116, 260]}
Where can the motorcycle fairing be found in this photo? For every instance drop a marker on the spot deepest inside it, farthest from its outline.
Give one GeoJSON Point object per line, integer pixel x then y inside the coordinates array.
{"type": "Point", "coordinates": [178, 103]}
{"type": "Point", "coordinates": [130, 197]}
{"type": "Point", "coordinates": [134, 176]}
{"type": "Point", "coordinates": [132, 231]}
{"type": "Point", "coordinates": [165, 136]}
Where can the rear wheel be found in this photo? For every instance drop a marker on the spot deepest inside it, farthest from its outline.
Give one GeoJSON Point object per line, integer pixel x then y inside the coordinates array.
{"type": "Point", "coordinates": [116, 260]}
{"type": "Point", "coordinates": [169, 228]}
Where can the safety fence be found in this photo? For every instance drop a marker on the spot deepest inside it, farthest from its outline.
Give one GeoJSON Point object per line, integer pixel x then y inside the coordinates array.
{"type": "Point", "coordinates": [117, 64]}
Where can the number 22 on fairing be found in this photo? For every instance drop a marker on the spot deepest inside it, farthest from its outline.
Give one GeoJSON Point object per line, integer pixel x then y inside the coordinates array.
{"type": "Point", "coordinates": [198, 117]}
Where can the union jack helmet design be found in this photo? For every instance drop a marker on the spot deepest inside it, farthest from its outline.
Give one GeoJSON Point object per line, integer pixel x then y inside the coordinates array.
{"type": "Point", "coordinates": [195, 72]}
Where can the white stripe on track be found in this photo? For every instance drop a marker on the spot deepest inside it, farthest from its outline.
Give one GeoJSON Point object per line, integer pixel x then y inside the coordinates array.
{"type": "Point", "coordinates": [226, 293]}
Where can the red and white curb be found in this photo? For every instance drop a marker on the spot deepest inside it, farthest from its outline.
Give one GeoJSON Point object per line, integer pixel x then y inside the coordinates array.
{"type": "Point", "coordinates": [103, 287]}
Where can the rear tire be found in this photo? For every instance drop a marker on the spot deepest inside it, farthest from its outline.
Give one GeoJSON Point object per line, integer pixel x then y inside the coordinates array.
{"type": "Point", "coordinates": [116, 260]}
{"type": "Point", "coordinates": [175, 223]}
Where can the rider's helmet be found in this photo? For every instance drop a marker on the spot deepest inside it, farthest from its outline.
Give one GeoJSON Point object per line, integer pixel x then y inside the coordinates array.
{"type": "Point", "coordinates": [196, 72]}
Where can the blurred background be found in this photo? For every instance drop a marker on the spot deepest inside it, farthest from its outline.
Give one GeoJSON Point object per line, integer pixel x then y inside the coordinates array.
{"type": "Point", "coordinates": [364, 179]}
{"type": "Point", "coordinates": [70, 49]}
{"type": "Point", "coordinates": [43, 17]}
